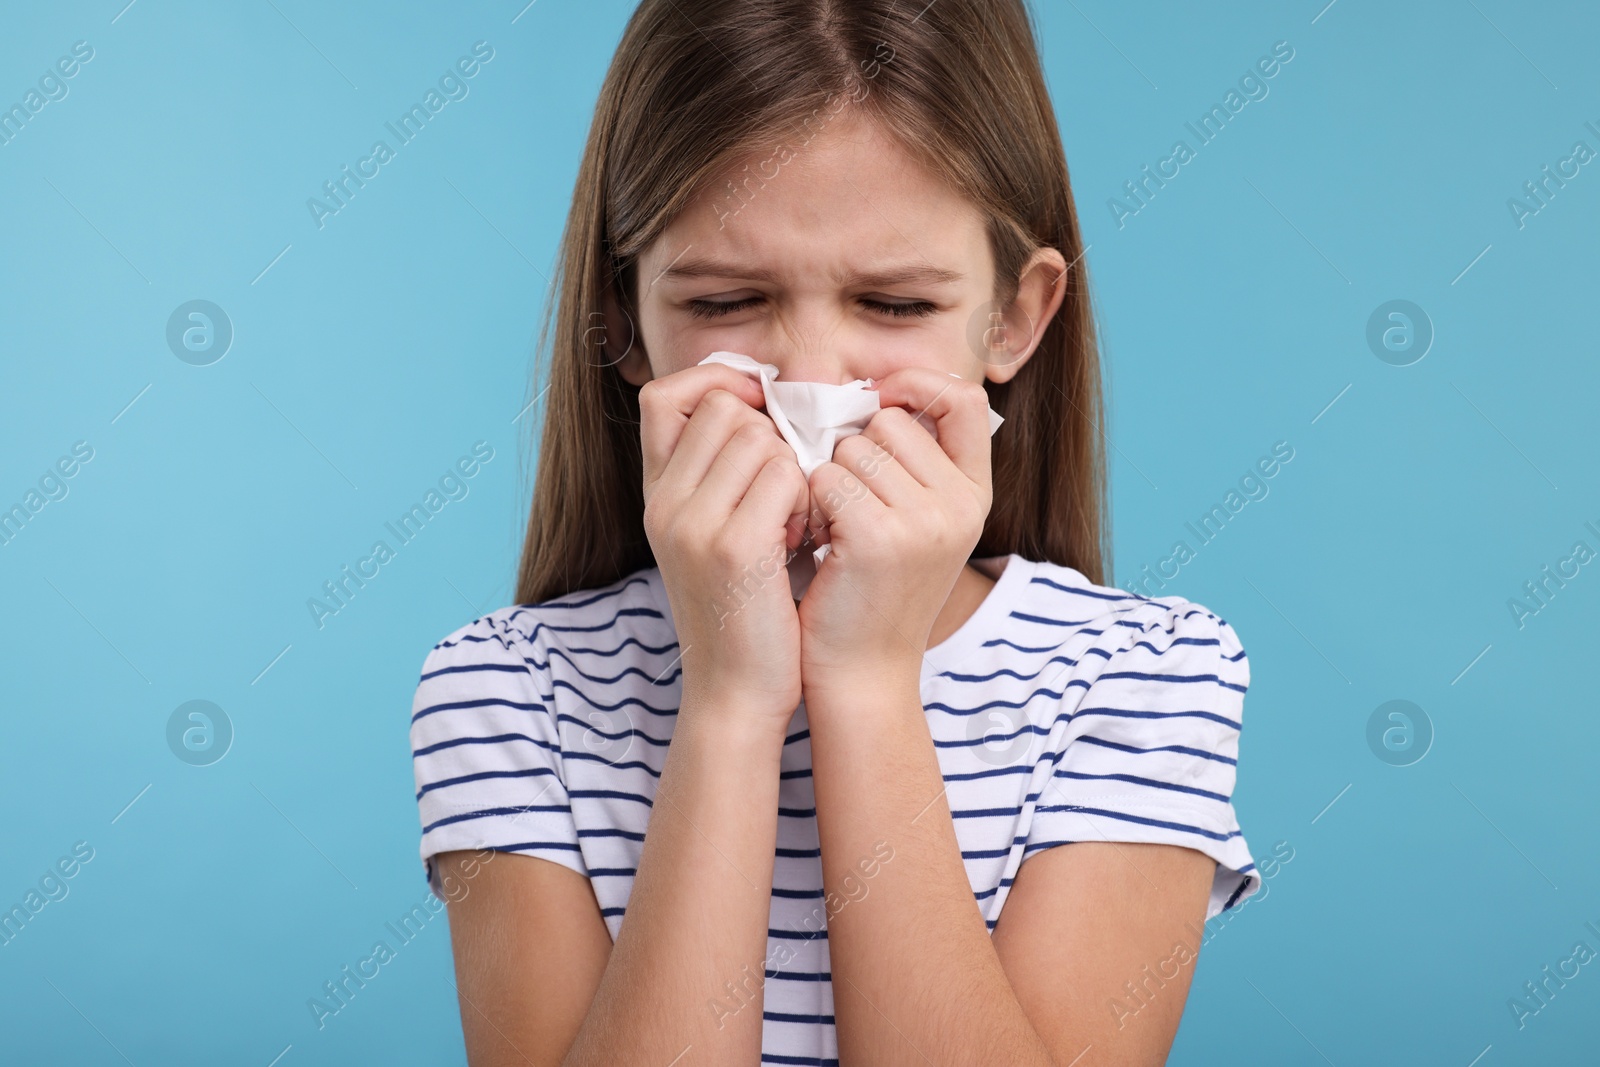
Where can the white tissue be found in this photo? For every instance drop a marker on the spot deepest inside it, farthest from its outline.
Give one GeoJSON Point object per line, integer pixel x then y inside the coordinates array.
{"type": "Point", "coordinates": [814, 417]}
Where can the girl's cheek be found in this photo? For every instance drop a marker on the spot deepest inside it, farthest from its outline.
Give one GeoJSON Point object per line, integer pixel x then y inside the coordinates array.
{"type": "Point", "coordinates": [937, 347]}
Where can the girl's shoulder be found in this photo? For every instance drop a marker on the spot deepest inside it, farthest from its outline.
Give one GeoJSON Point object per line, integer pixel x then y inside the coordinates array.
{"type": "Point", "coordinates": [626, 619]}
{"type": "Point", "coordinates": [1122, 617]}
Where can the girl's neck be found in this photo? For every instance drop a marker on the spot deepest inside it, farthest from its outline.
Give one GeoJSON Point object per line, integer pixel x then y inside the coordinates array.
{"type": "Point", "coordinates": [971, 588]}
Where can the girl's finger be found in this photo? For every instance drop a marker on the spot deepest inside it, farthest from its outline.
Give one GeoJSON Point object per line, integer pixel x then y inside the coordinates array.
{"type": "Point", "coordinates": [775, 494]}
{"type": "Point", "coordinates": [875, 456]}
{"type": "Point", "coordinates": [897, 432]}
{"type": "Point", "coordinates": [836, 490]}
{"type": "Point", "coordinates": [799, 511]}
{"type": "Point", "coordinates": [703, 446]}
{"type": "Point", "coordinates": [735, 466]}
{"type": "Point", "coordinates": [958, 408]}
{"type": "Point", "coordinates": [667, 404]}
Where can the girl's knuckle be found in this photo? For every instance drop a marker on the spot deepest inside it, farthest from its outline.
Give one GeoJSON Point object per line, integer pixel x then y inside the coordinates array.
{"type": "Point", "coordinates": [724, 548]}
{"type": "Point", "coordinates": [721, 403]}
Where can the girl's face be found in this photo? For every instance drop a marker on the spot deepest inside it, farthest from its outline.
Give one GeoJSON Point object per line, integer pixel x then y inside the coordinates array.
{"type": "Point", "coordinates": [848, 261]}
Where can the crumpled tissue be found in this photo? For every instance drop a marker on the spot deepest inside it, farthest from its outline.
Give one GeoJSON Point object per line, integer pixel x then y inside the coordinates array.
{"type": "Point", "coordinates": [814, 417]}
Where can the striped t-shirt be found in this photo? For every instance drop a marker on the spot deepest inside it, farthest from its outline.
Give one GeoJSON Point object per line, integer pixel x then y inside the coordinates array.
{"type": "Point", "coordinates": [1061, 711]}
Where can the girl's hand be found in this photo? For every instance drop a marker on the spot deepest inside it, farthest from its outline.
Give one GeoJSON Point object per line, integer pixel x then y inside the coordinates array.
{"type": "Point", "coordinates": [906, 511]}
{"type": "Point", "coordinates": [725, 507]}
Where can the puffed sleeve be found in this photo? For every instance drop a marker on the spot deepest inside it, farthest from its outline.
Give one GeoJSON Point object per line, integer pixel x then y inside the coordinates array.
{"type": "Point", "coordinates": [1151, 751]}
{"type": "Point", "coordinates": [486, 752]}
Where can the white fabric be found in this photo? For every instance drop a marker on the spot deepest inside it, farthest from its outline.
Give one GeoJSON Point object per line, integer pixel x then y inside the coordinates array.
{"type": "Point", "coordinates": [814, 417]}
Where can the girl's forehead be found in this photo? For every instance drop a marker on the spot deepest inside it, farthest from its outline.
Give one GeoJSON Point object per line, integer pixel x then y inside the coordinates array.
{"type": "Point", "coordinates": [849, 200]}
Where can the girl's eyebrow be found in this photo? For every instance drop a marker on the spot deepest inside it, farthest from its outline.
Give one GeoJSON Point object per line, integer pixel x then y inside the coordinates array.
{"type": "Point", "coordinates": [896, 274]}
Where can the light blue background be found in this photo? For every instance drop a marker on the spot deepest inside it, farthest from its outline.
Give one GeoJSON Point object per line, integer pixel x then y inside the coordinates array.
{"type": "Point", "coordinates": [375, 351]}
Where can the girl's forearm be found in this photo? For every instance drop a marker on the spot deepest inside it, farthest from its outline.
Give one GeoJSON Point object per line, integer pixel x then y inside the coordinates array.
{"type": "Point", "coordinates": [915, 974]}
{"type": "Point", "coordinates": [687, 968]}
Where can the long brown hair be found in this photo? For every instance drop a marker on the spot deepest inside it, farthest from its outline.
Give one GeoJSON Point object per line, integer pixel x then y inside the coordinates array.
{"type": "Point", "coordinates": [698, 84]}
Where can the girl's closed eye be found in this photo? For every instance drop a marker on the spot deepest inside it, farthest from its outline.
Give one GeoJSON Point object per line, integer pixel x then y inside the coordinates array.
{"type": "Point", "coordinates": [709, 309]}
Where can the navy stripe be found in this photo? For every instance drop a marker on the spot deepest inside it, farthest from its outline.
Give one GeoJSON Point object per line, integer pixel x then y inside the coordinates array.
{"type": "Point", "coordinates": [560, 846]}
{"type": "Point", "coordinates": [534, 772]}
{"type": "Point", "coordinates": [496, 739]}
{"type": "Point", "coordinates": [1178, 678]}
{"type": "Point", "coordinates": [533, 635]}
{"type": "Point", "coordinates": [1181, 618]}
{"type": "Point", "coordinates": [797, 894]}
{"type": "Point", "coordinates": [964, 712]}
{"type": "Point", "coordinates": [1042, 621]}
{"type": "Point", "coordinates": [608, 653]}
{"type": "Point", "coordinates": [486, 702]}
{"type": "Point", "coordinates": [653, 677]}
{"type": "Point", "coordinates": [566, 601]}
{"type": "Point", "coordinates": [998, 641]}
{"type": "Point", "coordinates": [543, 667]}
{"type": "Point", "coordinates": [1086, 740]}
{"type": "Point", "coordinates": [790, 1017]}
{"type": "Point", "coordinates": [650, 613]}
{"type": "Point", "coordinates": [610, 794]}
{"type": "Point", "coordinates": [995, 738]}
{"type": "Point", "coordinates": [1150, 782]}
{"type": "Point", "coordinates": [630, 765]}
{"type": "Point", "coordinates": [984, 813]}
{"type": "Point", "coordinates": [995, 773]}
{"type": "Point", "coordinates": [588, 700]}
{"type": "Point", "coordinates": [992, 675]}
{"type": "Point", "coordinates": [1175, 642]}
{"type": "Point", "coordinates": [1117, 595]}
{"type": "Point", "coordinates": [627, 835]}
{"type": "Point", "coordinates": [473, 668]}
{"type": "Point", "coordinates": [1127, 714]}
{"type": "Point", "coordinates": [992, 853]}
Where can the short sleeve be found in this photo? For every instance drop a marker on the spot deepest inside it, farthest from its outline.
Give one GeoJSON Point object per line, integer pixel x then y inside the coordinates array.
{"type": "Point", "coordinates": [1151, 752]}
{"type": "Point", "coordinates": [486, 752]}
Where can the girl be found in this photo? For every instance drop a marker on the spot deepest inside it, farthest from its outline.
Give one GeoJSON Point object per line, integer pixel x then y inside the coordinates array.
{"type": "Point", "coordinates": [961, 803]}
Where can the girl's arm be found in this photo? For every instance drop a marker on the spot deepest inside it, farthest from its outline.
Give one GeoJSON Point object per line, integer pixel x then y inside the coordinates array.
{"type": "Point", "coordinates": [539, 981]}
{"type": "Point", "coordinates": [1101, 940]}
{"type": "Point", "coordinates": [917, 978]}
{"type": "Point", "coordinates": [525, 972]}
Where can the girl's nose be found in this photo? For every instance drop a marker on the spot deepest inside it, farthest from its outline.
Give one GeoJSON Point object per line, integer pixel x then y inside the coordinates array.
{"type": "Point", "coordinates": [813, 342]}
{"type": "Point", "coordinates": [829, 363]}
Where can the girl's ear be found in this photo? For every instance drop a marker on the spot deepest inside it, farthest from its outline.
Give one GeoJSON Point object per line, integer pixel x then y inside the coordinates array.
{"type": "Point", "coordinates": [1016, 332]}
{"type": "Point", "coordinates": [615, 341]}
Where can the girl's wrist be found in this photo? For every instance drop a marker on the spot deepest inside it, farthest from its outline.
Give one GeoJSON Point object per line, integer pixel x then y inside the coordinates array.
{"type": "Point", "coordinates": [734, 722]}
{"type": "Point", "coordinates": [864, 688]}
